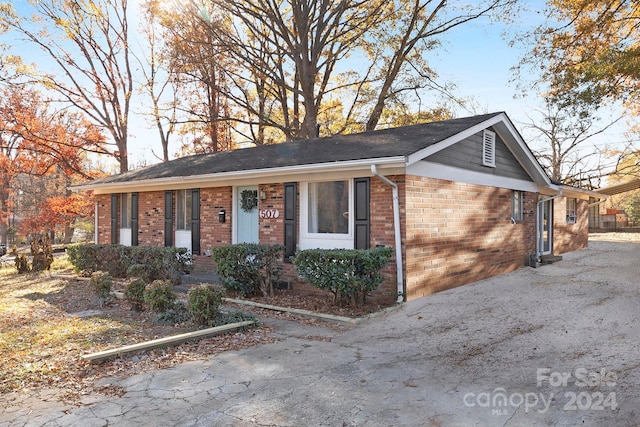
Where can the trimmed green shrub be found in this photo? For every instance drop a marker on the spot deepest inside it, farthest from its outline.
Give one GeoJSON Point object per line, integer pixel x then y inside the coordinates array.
{"type": "Point", "coordinates": [178, 313]}
{"type": "Point", "coordinates": [139, 270]}
{"type": "Point", "coordinates": [349, 274]}
{"type": "Point", "coordinates": [204, 303]}
{"type": "Point", "coordinates": [160, 296]}
{"type": "Point", "coordinates": [101, 283]}
{"type": "Point", "coordinates": [248, 267]}
{"type": "Point", "coordinates": [149, 262]}
{"type": "Point", "coordinates": [135, 293]}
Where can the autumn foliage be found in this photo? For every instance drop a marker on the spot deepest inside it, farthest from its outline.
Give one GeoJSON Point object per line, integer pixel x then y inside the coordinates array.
{"type": "Point", "coordinates": [38, 141]}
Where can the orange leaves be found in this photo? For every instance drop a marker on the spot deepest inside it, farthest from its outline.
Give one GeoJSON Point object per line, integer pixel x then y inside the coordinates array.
{"type": "Point", "coordinates": [38, 141]}
{"type": "Point", "coordinates": [57, 211]}
{"type": "Point", "coordinates": [592, 55]}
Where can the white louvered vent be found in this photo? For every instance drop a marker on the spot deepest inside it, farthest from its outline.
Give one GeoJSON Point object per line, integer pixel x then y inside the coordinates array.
{"type": "Point", "coordinates": [489, 148]}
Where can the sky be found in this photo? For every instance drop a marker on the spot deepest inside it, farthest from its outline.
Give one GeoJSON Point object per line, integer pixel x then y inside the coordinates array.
{"type": "Point", "coordinates": [476, 57]}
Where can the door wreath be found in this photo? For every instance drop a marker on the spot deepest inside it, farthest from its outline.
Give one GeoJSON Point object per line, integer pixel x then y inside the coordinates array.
{"type": "Point", "coordinates": [248, 200]}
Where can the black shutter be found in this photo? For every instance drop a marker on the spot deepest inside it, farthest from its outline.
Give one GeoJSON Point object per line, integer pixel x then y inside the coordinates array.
{"type": "Point", "coordinates": [290, 201]}
{"type": "Point", "coordinates": [114, 219]}
{"type": "Point", "coordinates": [168, 218]}
{"type": "Point", "coordinates": [361, 217]}
{"type": "Point", "coordinates": [134, 219]}
{"type": "Point", "coordinates": [195, 222]}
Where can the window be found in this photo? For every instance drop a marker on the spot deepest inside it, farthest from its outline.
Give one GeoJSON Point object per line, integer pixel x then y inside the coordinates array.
{"type": "Point", "coordinates": [183, 210]}
{"type": "Point", "coordinates": [329, 207]}
{"type": "Point", "coordinates": [516, 205]}
{"type": "Point", "coordinates": [571, 211]}
{"type": "Point", "coordinates": [125, 210]}
{"type": "Point", "coordinates": [326, 217]}
{"type": "Point", "coordinates": [488, 148]}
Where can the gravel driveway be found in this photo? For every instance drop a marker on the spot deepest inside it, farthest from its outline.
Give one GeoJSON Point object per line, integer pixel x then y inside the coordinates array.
{"type": "Point", "coordinates": [557, 345]}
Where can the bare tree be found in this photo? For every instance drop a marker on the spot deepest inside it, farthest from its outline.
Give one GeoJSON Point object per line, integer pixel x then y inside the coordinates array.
{"type": "Point", "coordinates": [294, 56]}
{"type": "Point", "coordinates": [160, 81]}
{"type": "Point", "coordinates": [563, 135]}
{"type": "Point", "coordinates": [87, 42]}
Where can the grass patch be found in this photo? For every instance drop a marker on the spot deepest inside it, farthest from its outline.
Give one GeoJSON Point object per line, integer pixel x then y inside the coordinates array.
{"type": "Point", "coordinates": [40, 344]}
{"type": "Point", "coordinates": [45, 328]}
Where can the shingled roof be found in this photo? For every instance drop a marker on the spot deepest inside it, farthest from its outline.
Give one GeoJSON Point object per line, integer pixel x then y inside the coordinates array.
{"type": "Point", "coordinates": [387, 143]}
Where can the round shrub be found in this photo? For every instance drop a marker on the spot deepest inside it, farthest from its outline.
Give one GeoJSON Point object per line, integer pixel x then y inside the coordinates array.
{"type": "Point", "coordinates": [101, 283]}
{"type": "Point", "coordinates": [160, 296]}
{"type": "Point", "coordinates": [139, 270]}
{"type": "Point", "coordinates": [135, 293]}
{"type": "Point", "coordinates": [204, 303]}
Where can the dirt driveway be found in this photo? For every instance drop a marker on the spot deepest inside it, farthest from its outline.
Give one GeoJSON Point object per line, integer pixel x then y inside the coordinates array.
{"type": "Point", "coordinates": [557, 345]}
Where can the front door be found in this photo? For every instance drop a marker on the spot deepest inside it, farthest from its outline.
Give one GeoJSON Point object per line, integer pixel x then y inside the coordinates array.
{"type": "Point", "coordinates": [545, 227]}
{"type": "Point", "coordinates": [247, 214]}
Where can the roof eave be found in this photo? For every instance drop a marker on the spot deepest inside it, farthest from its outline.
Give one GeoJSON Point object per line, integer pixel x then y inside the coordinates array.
{"type": "Point", "coordinates": [279, 174]}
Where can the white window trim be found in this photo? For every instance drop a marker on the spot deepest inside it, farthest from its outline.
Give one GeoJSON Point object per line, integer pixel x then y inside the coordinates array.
{"type": "Point", "coordinates": [488, 148]}
{"type": "Point", "coordinates": [323, 240]}
{"type": "Point", "coordinates": [572, 219]}
{"type": "Point", "coordinates": [125, 236]}
{"type": "Point", "coordinates": [125, 232]}
{"type": "Point", "coordinates": [181, 208]}
{"type": "Point", "coordinates": [520, 215]}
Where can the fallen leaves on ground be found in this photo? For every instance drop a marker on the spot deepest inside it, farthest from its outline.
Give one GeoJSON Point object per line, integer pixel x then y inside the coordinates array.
{"type": "Point", "coordinates": [48, 323]}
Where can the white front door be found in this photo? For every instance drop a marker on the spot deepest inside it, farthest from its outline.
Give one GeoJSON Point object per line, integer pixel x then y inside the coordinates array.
{"type": "Point", "coordinates": [246, 223]}
{"type": "Point", "coordinates": [545, 227]}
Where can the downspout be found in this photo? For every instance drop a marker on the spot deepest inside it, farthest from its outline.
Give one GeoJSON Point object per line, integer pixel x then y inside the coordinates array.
{"type": "Point", "coordinates": [538, 231]}
{"type": "Point", "coordinates": [397, 234]}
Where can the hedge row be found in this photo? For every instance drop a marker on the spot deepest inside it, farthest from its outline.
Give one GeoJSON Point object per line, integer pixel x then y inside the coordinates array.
{"type": "Point", "coordinates": [157, 263]}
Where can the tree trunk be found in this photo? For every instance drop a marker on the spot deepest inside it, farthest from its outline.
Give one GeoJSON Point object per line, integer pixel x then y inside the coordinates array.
{"type": "Point", "coordinates": [68, 234]}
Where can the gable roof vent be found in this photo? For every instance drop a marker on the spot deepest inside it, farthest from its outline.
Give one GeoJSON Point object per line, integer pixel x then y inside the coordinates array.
{"type": "Point", "coordinates": [489, 148]}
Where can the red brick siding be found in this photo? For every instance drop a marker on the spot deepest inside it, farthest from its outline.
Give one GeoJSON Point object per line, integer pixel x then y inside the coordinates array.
{"type": "Point", "coordinates": [212, 231]}
{"type": "Point", "coordinates": [382, 228]}
{"type": "Point", "coordinates": [459, 233]}
{"type": "Point", "coordinates": [570, 237]}
{"type": "Point", "coordinates": [271, 230]}
{"type": "Point", "coordinates": [151, 218]}
{"type": "Point", "coordinates": [104, 218]}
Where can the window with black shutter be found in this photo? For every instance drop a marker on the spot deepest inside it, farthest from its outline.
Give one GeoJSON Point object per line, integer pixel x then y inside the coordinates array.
{"type": "Point", "coordinates": [290, 201]}
{"type": "Point", "coordinates": [361, 217]}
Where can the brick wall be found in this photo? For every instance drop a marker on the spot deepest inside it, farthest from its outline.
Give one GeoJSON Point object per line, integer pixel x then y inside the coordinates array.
{"type": "Point", "coordinates": [212, 231]}
{"type": "Point", "coordinates": [104, 218]}
{"type": "Point", "coordinates": [382, 229]}
{"type": "Point", "coordinates": [459, 233]}
{"type": "Point", "coordinates": [271, 230]}
{"type": "Point", "coordinates": [453, 233]}
{"type": "Point", "coordinates": [570, 237]}
{"type": "Point", "coordinates": [151, 218]}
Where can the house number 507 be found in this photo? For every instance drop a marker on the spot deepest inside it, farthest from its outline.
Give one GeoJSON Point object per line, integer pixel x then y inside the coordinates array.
{"type": "Point", "coordinates": [269, 213]}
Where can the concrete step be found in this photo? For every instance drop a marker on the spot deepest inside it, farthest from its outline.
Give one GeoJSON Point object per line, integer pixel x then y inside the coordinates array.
{"type": "Point", "coordinates": [550, 259]}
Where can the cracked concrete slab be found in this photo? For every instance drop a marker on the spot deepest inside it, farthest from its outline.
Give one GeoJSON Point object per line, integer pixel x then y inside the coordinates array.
{"type": "Point", "coordinates": [555, 345]}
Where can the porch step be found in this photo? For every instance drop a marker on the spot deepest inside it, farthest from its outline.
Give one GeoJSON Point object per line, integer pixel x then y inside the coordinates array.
{"type": "Point", "coordinates": [550, 259]}
{"type": "Point", "coordinates": [188, 280]}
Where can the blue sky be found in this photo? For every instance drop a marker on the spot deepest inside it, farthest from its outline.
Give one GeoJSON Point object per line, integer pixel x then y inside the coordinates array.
{"type": "Point", "coordinates": [475, 56]}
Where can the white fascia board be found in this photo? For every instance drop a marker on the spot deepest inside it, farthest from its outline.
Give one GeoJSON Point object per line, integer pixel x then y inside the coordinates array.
{"type": "Point", "coordinates": [439, 146]}
{"type": "Point", "coordinates": [247, 177]}
{"type": "Point", "coordinates": [450, 173]}
{"type": "Point", "coordinates": [581, 193]}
